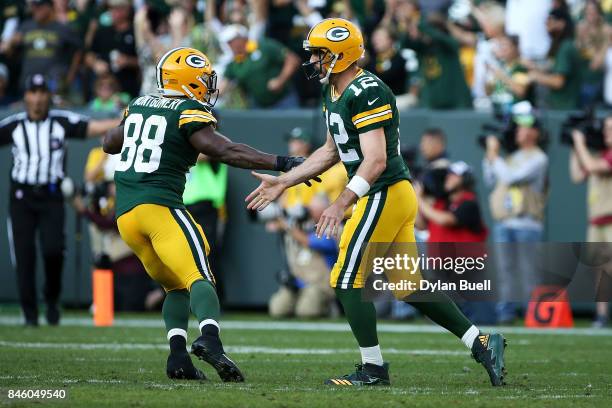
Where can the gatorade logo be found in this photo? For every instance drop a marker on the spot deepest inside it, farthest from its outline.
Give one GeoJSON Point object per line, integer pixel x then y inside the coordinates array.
{"type": "Point", "coordinates": [545, 309]}
{"type": "Point", "coordinates": [196, 61]}
{"type": "Point", "coordinates": [337, 34]}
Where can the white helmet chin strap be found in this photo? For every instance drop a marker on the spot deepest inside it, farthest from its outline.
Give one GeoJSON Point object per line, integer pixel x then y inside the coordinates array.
{"type": "Point", "coordinates": [332, 64]}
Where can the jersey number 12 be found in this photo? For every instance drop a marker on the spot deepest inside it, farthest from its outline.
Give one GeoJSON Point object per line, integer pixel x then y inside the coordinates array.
{"type": "Point", "coordinates": [134, 153]}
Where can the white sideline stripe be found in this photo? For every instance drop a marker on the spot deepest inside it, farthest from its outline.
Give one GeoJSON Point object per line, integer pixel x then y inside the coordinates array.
{"type": "Point", "coordinates": [314, 326]}
{"type": "Point", "coordinates": [229, 349]}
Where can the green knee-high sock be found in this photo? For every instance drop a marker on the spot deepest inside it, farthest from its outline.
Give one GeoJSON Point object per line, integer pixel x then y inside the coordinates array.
{"type": "Point", "coordinates": [204, 301]}
{"type": "Point", "coordinates": [360, 315]}
{"type": "Point", "coordinates": [442, 310]}
{"type": "Point", "coordinates": [176, 318]}
{"type": "Point", "coordinates": [176, 310]}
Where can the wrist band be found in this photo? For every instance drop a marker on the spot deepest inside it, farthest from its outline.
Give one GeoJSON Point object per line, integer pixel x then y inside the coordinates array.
{"type": "Point", "coordinates": [359, 186]}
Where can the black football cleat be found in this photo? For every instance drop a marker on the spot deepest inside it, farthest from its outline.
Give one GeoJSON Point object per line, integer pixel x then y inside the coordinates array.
{"type": "Point", "coordinates": [365, 374]}
{"type": "Point", "coordinates": [209, 349]}
{"type": "Point", "coordinates": [180, 367]}
{"type": "Point", "coordinates": [488, 350]}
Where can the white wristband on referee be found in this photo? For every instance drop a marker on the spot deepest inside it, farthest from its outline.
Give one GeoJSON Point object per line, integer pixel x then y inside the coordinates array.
{"type": "Point", "coordinates": [359, 186]}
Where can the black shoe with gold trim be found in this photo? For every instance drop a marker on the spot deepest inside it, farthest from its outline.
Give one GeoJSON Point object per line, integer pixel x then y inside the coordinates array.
{"type": "Point", "coordinates": [488, 350]}
{"type": "Point", "coordinates": [365, 374]}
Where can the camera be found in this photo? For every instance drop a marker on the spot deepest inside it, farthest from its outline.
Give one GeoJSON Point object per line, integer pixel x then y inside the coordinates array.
{"type": "Point", "coordinates": [432, 179]}
{"type": "Point", "coordinates": [410, 155]}
{"type": "Point", "coordinates": [504, 129]}
{"type": "Point", "coordinates": [588, 124]}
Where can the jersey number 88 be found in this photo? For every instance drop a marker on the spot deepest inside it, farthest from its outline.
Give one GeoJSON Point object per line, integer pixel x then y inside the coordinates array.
{"type": "Point", "coordinates": [134, 153]}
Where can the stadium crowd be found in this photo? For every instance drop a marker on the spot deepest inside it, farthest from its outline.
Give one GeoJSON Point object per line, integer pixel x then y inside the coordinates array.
{"type": "Point", "coordinates": [435, 54]}
{"type": "Point", "coordinates": [442, 54]}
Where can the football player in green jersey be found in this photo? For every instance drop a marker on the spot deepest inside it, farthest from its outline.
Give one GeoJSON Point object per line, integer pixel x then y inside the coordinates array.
{"type": "Point", "coordinates": [362, 123]}
{"type": "Point", "coordinates": [159, 140]}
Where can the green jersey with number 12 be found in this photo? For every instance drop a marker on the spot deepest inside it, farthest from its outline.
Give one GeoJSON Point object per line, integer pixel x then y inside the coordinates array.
{"type": "Point", "coordinates": [366, 104]}
{"type": "Point", "coordinates": [156, 153]}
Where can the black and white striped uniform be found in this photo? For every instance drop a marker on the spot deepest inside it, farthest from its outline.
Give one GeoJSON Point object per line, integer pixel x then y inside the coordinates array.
{"type": "Point", "coordinates": [39, 146]}
{"type": "Point", "coordinates": [36, 201]}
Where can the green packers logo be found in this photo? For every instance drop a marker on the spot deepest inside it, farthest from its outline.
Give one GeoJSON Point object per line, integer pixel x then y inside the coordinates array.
{"type": "Point", "coordinates": [337, 34]}
{"type": "Point", "coordinates": [196, 61]}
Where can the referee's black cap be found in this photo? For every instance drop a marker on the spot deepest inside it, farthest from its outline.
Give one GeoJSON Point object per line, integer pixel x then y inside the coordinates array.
{"type": "Point", "coordinates": [36, 81]}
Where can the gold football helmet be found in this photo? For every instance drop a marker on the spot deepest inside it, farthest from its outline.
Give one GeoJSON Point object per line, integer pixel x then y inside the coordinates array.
{"type": "Point", "coordinates": [187, 72]}
{"type": "Point", "coordinates": [340, 42]}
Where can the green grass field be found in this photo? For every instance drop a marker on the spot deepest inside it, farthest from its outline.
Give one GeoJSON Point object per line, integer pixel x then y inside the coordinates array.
{"type": "Point", "coordinates": [285, 363]}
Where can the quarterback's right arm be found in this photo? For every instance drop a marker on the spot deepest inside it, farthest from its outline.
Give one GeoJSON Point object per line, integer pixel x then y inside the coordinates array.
{"type": "Point", "coordinates": [318, 162]}
{"type": "Point", "coordinates": [272, 187]}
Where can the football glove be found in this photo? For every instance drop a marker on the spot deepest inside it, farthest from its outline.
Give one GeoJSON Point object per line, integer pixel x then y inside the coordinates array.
{"type": "Point", "coordinates": [286, 163]}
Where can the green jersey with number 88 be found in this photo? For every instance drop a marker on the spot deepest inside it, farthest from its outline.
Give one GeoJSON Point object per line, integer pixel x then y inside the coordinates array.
{"type": "Point", "coordinates": [156, 153]}
{"type": "Point", "coordinates": [366, 104]}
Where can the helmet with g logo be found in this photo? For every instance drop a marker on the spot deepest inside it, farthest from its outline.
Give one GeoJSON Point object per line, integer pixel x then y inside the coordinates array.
{"type": "Point", "coordinates": [341, 43]}
{"type": "Point", "coordinates": [187, 72]}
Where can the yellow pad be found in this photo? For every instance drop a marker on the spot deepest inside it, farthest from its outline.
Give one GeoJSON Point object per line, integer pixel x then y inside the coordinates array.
{"type": "Point", "coordinates": [387, 216]}
{"type": "Point", "coordinates": [169, 243]}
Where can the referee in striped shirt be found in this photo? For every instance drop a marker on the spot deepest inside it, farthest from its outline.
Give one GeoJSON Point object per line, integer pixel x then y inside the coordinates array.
{"type": "Point", "coordinates": [38, 138]}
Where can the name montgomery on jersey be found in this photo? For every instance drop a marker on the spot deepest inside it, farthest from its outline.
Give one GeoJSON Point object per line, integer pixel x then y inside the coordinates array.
{"type": "Point", "coordinates": [149, 101]}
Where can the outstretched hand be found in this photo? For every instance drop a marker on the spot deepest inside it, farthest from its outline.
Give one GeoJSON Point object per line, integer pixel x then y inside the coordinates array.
{"type": "Point", "coordinates": [269, 190]}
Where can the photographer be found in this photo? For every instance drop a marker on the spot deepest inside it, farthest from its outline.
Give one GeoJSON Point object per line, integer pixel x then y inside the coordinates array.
{"type": "Point", "coordinates": [433, 174]}
{"type": "Point", "coordinates": [307, 293]}
{"type": "Point", "coordinates": [517, 204]}
{"type": "Point", "coordinates": [596, 169]}
{"type": "Point", "coordinates": [433, 150]}
{"type": "Point", "coordinates": [458, 217]}
{"type": "Point", "coordinates": [454, 221]}
{"type": "Point", "coordinates": [306, 274]}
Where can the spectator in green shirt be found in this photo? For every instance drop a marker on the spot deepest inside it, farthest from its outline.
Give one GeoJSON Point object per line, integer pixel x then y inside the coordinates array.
{"type": "Point", "coordinates": [262, 69]}
{"type": "Point", "coordinates": [592, 41]}
{"type": "Point", "coordinates": [562, 79]}
{"type": "Point", "coordinates": [444, 85]}
{"type": "Point", "coordinates": [108, 97]}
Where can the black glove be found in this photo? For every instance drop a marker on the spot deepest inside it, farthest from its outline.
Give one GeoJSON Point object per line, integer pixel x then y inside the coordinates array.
{"type": "Point", "coordinates": [286, 163]}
